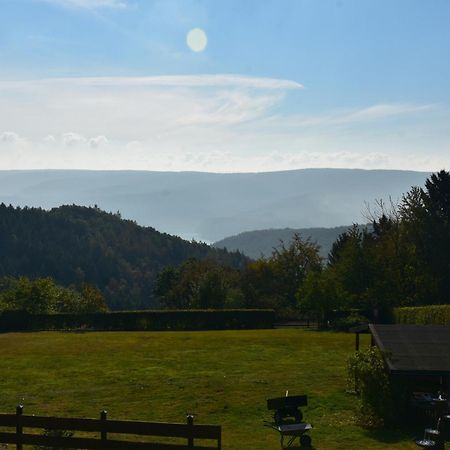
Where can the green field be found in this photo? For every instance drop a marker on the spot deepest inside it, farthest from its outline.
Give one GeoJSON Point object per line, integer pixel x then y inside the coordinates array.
{"type": "Point", "coordinates": [223, 377]}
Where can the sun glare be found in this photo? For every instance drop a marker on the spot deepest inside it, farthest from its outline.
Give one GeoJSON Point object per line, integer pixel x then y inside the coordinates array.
{"type": "Point", "coordinates": [197, 40]}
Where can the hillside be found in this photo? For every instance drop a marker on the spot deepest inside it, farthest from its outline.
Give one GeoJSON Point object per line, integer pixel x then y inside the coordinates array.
{"type": "Point", "coordinates": [262, 242]}
{"type": "Point", "coordinates": [74, 244]}
{"type": "Point", "coordinates": [211, 206]}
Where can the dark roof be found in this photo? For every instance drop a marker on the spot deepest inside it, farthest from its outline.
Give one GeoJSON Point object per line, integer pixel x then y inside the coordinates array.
{"type": "Point", "coordinates": [414, 349]}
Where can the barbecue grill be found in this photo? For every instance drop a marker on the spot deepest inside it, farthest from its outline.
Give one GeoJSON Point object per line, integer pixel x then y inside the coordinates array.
{"type": "Point", "coordinates": [288, 419]}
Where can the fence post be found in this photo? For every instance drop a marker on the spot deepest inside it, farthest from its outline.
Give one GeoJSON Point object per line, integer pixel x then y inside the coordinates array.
{"type": "Point", "coordinates": [19, 428]}
{"type": "Point", "coordinates": [103, 432]}
{"type": "Point", "coordinates": [190, 422]}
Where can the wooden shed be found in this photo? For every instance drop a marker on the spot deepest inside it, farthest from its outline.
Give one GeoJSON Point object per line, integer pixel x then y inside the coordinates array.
{"type": "Point", "coordinates": [417, 358]}
{"type": "Point", "coordinates": [418, 350]}
{"type": "Point", "coordinates": [418, 354]}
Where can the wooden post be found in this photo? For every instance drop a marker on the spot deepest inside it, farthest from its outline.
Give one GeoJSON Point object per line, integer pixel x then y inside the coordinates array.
{"type": "Point", "coordinates": [19, 428]}
{"type": "Point", "coordinates": [190, 422]}
{"type": "Point", "coordinates": [103, 433]}
{"type": "Point", "coordinates": [357, 341]}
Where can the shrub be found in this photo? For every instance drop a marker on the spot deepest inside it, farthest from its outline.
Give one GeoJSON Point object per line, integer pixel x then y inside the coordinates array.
{"type": "Point", "coordinates": [423, 315]}
{"type": "Point", "coordinates": [141, 320]}
{"type": "Point", "coordinates": [44, 296]}
{"type": "Point", "coordinates": [345, 323]}
{"type": "Point", "coordinates": [367, 373]}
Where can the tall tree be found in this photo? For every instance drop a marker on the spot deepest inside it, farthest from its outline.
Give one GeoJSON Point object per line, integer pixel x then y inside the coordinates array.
{"type": "Point", "coordinates": [274, 281]}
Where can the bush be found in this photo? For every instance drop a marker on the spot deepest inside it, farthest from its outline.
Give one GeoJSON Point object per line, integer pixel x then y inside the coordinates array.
{"type": "Point", "coordinates": [367, 374]}
{"type": "Point", "coordinates": [44, 296]}
{"type": "Point", "coordinates": [423, 315]}
{"type": "Point", "coordinates": [141, 320]}
{"type": "Point", "coordinates": [345, 323]}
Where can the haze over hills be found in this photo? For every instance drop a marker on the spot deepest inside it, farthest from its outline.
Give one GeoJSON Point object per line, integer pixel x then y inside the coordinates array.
{"type": "Point", "coordinates": [211, 206]}
{"type": "Point", "coordinates": [259, 243]}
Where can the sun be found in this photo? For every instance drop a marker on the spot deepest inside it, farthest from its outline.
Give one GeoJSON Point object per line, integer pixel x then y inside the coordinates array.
{"type": "Point", "coordinates": [197, 40]}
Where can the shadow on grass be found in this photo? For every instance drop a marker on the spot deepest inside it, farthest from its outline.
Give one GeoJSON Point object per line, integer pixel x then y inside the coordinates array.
{"type": "Point", "coordinates": [391, 436]}
{"type": "Point", "coordinates": [297, 447]}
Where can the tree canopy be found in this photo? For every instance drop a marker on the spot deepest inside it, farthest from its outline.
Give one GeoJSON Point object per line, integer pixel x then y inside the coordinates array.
{"type": "Point", "coordinates": [76, 245]}
{"type": "Point", "coordinates": [404, 260]}
{"type": "Point", "coordinates": [401, 259]}
{"type": "Point", "coordinates": [44, 296]}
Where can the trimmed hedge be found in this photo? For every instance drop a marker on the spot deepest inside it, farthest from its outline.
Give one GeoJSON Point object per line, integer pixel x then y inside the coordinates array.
{"type": "Point", "coordinates": [154, 320]}
{"type": "Point", "coordinates": [423, 315]}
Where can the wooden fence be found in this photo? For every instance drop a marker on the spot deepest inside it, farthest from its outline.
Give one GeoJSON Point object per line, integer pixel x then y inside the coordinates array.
{"type": "Point", "coordinates": [189, 432]}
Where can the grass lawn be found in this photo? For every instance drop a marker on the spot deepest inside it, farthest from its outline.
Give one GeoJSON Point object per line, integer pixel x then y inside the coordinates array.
{"type": "Point", "coordinates": [223, 377]}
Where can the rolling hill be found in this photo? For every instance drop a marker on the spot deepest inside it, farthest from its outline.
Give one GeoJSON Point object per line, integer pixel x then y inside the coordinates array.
{"type": "Point", "coordinates": [262, 242]}
{"type": "Point", "coordinates": [211, 206]}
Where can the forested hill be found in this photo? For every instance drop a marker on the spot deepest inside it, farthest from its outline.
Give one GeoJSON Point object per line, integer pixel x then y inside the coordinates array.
{"type": "Point", "coordinates": [262, 242]}
{"type": "Point", "coordinates": [76, 244]}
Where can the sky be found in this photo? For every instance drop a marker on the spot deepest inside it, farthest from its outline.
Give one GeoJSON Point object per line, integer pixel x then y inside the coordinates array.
{"type": "Point", "coordinates": [224, 86]}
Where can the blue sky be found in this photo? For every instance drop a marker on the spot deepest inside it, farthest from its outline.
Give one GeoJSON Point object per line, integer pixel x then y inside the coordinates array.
{"type": "Point", "coordinates": [281, 84]}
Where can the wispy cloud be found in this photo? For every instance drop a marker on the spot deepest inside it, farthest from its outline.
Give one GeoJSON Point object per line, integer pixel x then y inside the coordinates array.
{"type": "Point", "coordinates": [206, 122]}
{"type": "Point", "coordinates": [370, 113]}
{"type": "Point", "coordinates": [131, 108]}
{"type": "Point", "coordinates": [383, 110]}
{"type": "Point", "coordinates": [201, 81]}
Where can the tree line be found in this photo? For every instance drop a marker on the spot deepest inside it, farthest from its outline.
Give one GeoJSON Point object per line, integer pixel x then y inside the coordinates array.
{"type": "Point", "coordinates": [401, 259]}
{"type": "Point", "coordinates": [44, 296]}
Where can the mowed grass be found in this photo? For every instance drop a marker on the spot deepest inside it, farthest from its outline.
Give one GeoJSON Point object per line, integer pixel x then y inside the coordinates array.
{"type": "Point", "coordinates": [223, 377]}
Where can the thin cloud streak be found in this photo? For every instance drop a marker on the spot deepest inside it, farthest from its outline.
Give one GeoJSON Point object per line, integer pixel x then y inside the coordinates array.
{"type": "Point", "coordinates": [366, 114]}
{"type": "Point", "coordinates": [383, 110]}
{"type": "Point", "coordinates": [200, 81]}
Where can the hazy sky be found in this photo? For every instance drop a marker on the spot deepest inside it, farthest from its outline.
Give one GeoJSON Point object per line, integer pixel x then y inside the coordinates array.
{"type": "Point", "coordinates": [224, 85]}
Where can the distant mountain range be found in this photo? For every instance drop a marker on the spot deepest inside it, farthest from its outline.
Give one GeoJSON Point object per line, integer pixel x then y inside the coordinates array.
{"type": "Point", "coordinates": [262, 242]}
{"type": "Point", "coordinates": [211, 206]}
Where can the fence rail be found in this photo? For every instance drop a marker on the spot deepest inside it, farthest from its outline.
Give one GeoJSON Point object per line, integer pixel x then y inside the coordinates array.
{"type": "Point", "coordinates": [190, 431]}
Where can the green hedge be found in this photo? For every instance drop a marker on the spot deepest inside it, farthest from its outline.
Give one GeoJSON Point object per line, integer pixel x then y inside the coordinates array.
{"type": "Point", "coordinates": [140, 320]}
{"type": "Point", "coordinates": [423, 315]}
